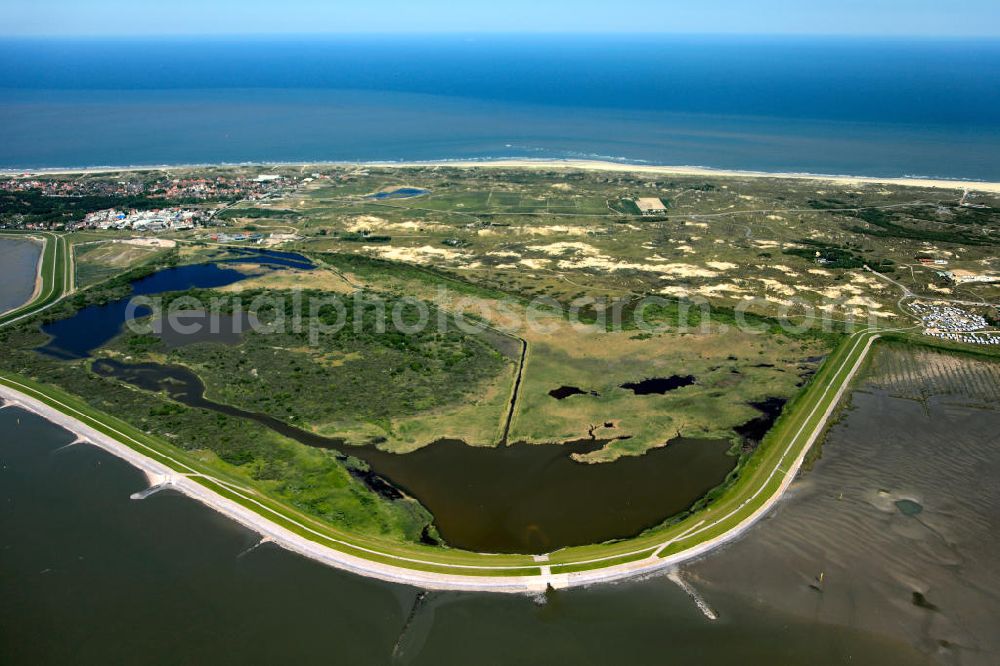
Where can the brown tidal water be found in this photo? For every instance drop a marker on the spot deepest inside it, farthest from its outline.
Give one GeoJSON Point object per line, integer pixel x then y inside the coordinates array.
{"type": "Point", "coordinates": [896, 529]}
{"type": "Point", "coordinates": [88, 576]}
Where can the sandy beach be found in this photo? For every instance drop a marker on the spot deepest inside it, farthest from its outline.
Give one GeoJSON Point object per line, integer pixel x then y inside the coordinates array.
{"type": "Point", "coordinates": [587, 165]}
{"type": "Point", "coordinates": [38, 273]}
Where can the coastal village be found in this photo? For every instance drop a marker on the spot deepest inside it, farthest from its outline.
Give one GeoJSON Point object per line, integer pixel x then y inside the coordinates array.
{"type": "Point", "coordinates": [199, 188]}
{"type": "Point", "coordinates": [151, 205]}
{"type": "Point", "coordinates": [165, 219]}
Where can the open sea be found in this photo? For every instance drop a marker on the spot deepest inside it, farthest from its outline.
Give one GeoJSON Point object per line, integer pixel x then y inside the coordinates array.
{"type": "Point", "coordinates": [927, 108]}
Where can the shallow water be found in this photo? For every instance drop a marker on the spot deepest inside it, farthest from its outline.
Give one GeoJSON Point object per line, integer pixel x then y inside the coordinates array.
{"type": "Point", "coordinates": [19, 263]}
{"type": "Point", "coordinates": [88, 576]}
{"type": "Point", "coordinates": [896, 528]}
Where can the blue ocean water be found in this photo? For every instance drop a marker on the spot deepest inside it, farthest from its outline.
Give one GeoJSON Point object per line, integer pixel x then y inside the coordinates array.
{"type": "Point", "coordinates": [822, 105]}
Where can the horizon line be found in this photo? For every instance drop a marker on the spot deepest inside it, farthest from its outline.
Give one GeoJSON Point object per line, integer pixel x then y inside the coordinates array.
{"type": "Point", "coordinates": [116, 36]}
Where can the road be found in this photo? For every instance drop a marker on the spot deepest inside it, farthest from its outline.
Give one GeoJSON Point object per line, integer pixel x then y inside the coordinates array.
{"type": "Point", "coordinates": [908, 294]}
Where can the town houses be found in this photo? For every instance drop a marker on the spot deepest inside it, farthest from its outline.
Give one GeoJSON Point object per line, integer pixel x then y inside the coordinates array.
{"type": "Point", "coordinates": [201, 189]}
{"type": "Point", "coordinates": [164, 219]}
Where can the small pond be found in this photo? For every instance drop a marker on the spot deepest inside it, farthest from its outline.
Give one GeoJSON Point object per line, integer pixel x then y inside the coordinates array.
{"type": "Point", "coordinates": [400, 193]}
{"type": "Point", "coordinates": [659, 385]}
{"type": "Point", "coordinates": [564, 392]}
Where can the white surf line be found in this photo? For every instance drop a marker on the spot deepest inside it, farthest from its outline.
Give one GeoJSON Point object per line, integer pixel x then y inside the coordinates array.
{"type": "Point", "coordinates": [252, 519]}
{"type": "Point", "coordinates": [547, 163]}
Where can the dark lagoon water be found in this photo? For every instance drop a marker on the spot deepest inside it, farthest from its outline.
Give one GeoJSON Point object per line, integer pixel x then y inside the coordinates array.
{"type": "Point", "coordinates": [89, 328]}
{"type": "Point", "coordinates": [517, 498]}
{"type": "Point", "coordinates": [659, 385]}
{"type": "Point", "coordinates": [270, 258]}
{"type": "Point", "coordinates": [19, 263]}
{"type": "Point", "coordinates": [838, 574]}
{"type": "Point", "coordinates": [826, 105]}
{"type": "Point", "coordinates": [755, 429]}
{"type": "Point", "coordinates": [564, 392]}
{"type": "Point", "coordinates": [77, 336]}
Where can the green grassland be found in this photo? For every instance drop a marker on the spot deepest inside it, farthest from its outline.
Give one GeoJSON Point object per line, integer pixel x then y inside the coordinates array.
{"type": "Point", "coordinates": [731, 370]}
{"type": "Point", "coordinates": [311, 480]}
{"type": "Point", "coordinates": [485, 236]}
{"type": "Point", "coordinates": [358, 383]}
{"type": "Point", "coordinates": [732, 367]}
{"type": "Point", "coordinates": [100, 259]}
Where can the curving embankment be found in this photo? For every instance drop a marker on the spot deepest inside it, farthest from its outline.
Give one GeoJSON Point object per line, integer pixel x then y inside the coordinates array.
{"type": "Point", "coordinates": [762, 483]}
{"type": "Point", "coordinates": [55, 277]}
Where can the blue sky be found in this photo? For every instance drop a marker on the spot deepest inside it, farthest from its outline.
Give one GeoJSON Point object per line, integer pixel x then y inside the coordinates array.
{"type": "Point", "coordinates": [951, 18]}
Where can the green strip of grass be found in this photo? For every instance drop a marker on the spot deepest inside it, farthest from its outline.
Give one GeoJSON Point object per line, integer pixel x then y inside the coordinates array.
{"type": "Point", "coordinates": [53, 281]}
{"type": "Point", "coordinates": [586, 566]}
